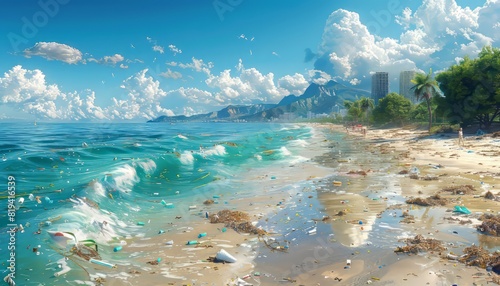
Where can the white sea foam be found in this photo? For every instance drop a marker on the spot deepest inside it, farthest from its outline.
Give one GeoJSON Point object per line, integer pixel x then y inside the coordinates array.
{"type": "Point", "coordinates": [148, 165]}
{"type": "Point", "coordinates": [186, 158]}
{"type": "Point", "coordinates": [124, 178]}
{"type": "Point", "coordinates": [284, 151]}
{"type": "Point", "coordinates": [299, 143]}
{"type": "Point", "coordinates": [217, 150]}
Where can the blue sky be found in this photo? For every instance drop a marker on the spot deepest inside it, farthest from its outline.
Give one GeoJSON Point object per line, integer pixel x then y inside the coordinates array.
{"type": "Point", "coordinates": [135, 60]}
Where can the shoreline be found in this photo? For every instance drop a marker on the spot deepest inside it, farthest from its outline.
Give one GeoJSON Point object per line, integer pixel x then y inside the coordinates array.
{"type": "Point", "coordinates": [300, 199]}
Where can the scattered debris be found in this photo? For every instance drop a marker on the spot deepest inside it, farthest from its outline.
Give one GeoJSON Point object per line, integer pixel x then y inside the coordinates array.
{"type": "Point", "coordinates": [208, 202]}
{"type": "Point", "coordinates": [434, 200]}
{"type": "Point", "coordinates": [490, 196]}
{"type": "Point", "coordinates": [403, 172]}
{"type": "Point", "coordinates": [239, 221]}
{"type": "Point", "coordinates": [341, 213]}
{"type": "Point", "coordinates": [414, 176]}
{"type": "Point", "coordinates": [478, 256]}
{"type": "Point", "coordinates": [460, 190]}
{"type": "Point", "coordinates": [490, 224]}
{"type": "Point", "coordinates": [420, 244]}
{"type": "Point", "coordinates": [360, 172]}
{"type": "Point", "coordinates": [407, 218]}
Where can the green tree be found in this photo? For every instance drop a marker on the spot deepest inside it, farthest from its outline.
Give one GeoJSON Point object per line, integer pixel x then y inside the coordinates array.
{"type": "Point", "coordinates": [425, 88]}
{"type": "Point", "coordinates": [392, 108]}
{"type": "Point", "coordinates": [359, 109]}
{"type": "Point", "coordinates": [472, 89]}
{"type": "Point", "coordinates": [366, 105]}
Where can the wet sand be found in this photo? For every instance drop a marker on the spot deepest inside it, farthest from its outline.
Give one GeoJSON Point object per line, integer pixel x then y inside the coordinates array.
{"type": "Point", "coordinates": [288, 206]}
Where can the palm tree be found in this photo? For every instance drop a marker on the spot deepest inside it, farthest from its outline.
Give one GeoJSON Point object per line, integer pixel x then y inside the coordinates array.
{"type": "Point", "coordinates": [425, 87]}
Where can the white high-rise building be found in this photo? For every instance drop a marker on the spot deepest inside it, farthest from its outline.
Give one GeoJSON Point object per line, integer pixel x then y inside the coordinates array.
{"type": "Point", "coordinates": [405, 85]}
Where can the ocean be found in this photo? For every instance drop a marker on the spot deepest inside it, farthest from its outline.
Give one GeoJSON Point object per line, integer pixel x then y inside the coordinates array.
{"type": "Point", "coordinates": [104, 183]}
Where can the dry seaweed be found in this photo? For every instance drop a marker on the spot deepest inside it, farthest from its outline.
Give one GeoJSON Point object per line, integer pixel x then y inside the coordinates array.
{"type": "Point", "coordinates": [478, 256]}
{"type": "Point", "coordinates": [208, 202]}
{"type": "Point", "coordinates": [420, 244]}
{"type": "Point", "coordinates": [460, 190]}
{"type": "Point", "coordinates": [429, 178]}
{"type": "Point", "coordinates": [414, 176]}
{"type": "Point", "coordinates": [85, 252]}
{"type": "Point", "coordinates": [361, 172]}
{"type": "Point", "coordinates": [490, 224]}
{"type": "Point", "coordinates": [434, 200]}
{"type": "Point", "coordinates": [239, 221]}
{"type": "Point", "coordinates": [407, 218]}
{"type": "Point", "coordinates": [490, 196]}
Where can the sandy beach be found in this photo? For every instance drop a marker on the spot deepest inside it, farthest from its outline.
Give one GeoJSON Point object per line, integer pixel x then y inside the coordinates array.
{"type": "Point", "coordinates": [353, 201]}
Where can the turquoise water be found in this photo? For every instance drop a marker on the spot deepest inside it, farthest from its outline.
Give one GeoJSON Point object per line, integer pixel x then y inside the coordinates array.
{"type": "Point", "coordinates": [99, 181]}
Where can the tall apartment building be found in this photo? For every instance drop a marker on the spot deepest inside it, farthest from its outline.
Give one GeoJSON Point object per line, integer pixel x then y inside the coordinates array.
{"type": "Point", "coordinates": [405, 84]}
{"type": "Point", "coordinates": [380, 85]}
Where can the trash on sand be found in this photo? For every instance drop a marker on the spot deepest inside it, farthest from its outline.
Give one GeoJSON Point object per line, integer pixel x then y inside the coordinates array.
{"type": "Point", "coordinates": [312, 230]}
{"type": "Point", "coordinates": [203, 234]}
{"type": "Point", "coordinates": [192, 207]}
{"type": "Point", "coordinates": [460, 190]}
{"type": "Point", "coordinates": [337, 183]}
{"type": "Point", "coordinates": [140, 223]}
{"type": "Point", "coordinates": [239, 221]}
{"type": "Point", "coordinates": [348, 262]}
{"type": "Point", "coordinates": [161, 231]}
{"type": "Point", "coordinates": [117, 248]}
{"type": "Point", "coordinates": [241, 282]}
{"type": "Point", "coordinates": [192, 242]}
{"type": "Point", "coordinates": [420, 244]}
{"type": "Point", "coordinates": [452, 256]}
{"type": "Point", "coordinates": [462, 209]}
{"type": "Point", "coordinates": [434, 200]}
{"type": "Point", "coordinates": [170, 242]}
{"type": "Point", "coordinates": [103, 263]}
{"type": "Point", "coordinates": [490, 224]}
{"type": "Point", "coordinates": [208, 202]}
{"type": "Point", "coordinates": [478, 256]}
{"type": "Point", "coordinates": [223, 255]}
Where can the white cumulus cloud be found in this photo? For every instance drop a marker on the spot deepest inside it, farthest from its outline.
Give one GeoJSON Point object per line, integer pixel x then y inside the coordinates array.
{"type": "Point", "coordinates": [174, 49]}
{"type": "Point", "coordinates": [142, 100]}
{"type": "Point", "coordinates": [27, 91]}
{"type": "Point", "coordinates": [252, 86]}
{"type": "Point", "coordinates": [54, 51]}
{"type": "Point", "coordinates": [432, 36]}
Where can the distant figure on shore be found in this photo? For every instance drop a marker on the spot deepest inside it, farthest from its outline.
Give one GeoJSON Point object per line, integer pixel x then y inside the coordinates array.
{"type": "Point", "coordinates": [460, 137]}
{"type": "Point", "coordinates": [364, 131]}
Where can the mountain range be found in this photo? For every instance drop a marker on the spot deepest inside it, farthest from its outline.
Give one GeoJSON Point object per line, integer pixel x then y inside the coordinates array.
{"type": "Point", "coordinates": [316, 98]}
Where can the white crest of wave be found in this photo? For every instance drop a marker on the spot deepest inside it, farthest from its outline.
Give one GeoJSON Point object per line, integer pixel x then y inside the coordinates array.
{"type": "Point", "coordinates": [148, 165]}
{"type": "Point", "coordinates": [258, 157]}
{"type": "Point", "coordinates": [284, 151]}
{"type": "Point", "coordinates": [125, 177]}
{"type": "Point", "coordinates": [87, 222]}
{"type": "Point", "coordinates": [186, 158]}
{"type": "Point", "coordinates": [98, 188]}
{"type": "Point", "coordinates": [217, 150]}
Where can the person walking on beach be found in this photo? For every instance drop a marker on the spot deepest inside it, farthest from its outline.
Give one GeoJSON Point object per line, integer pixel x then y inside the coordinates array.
{"type": "Point", "coordinates": [460, 137]}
